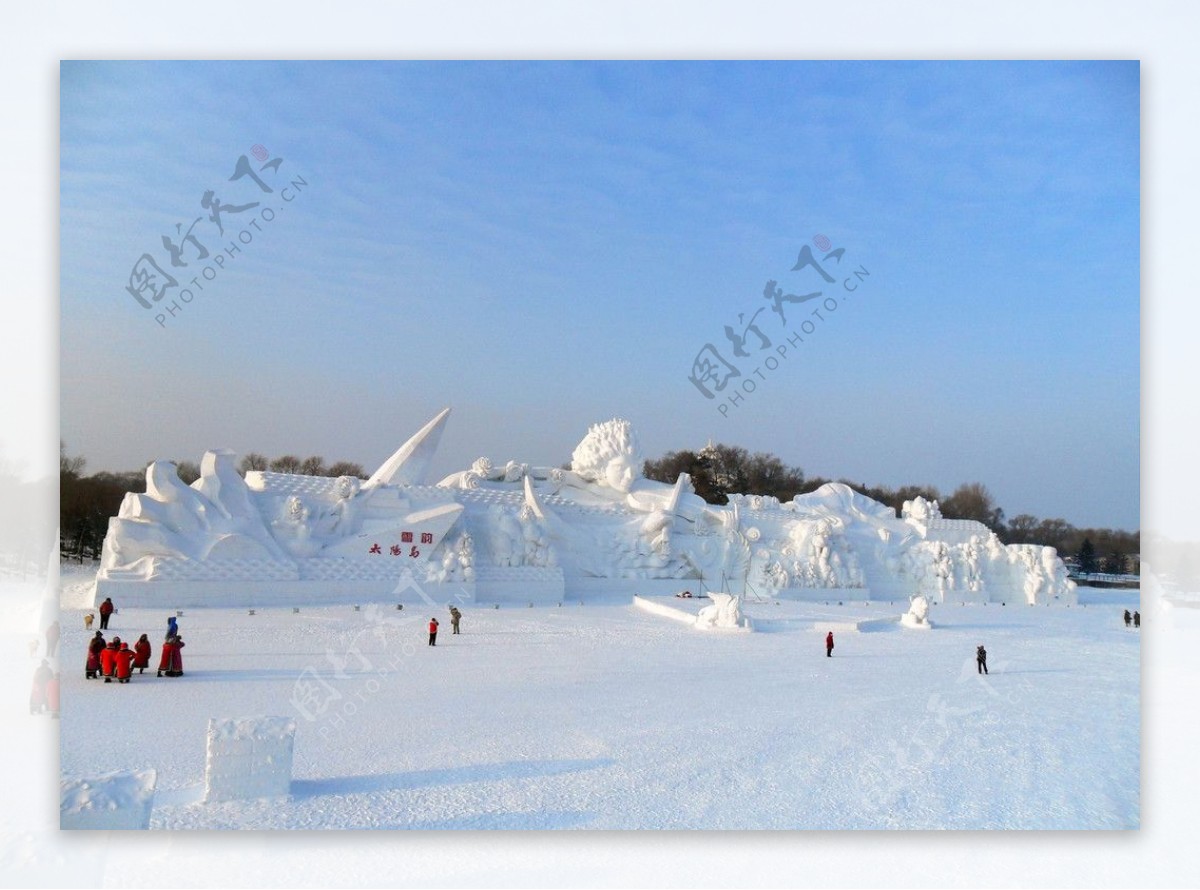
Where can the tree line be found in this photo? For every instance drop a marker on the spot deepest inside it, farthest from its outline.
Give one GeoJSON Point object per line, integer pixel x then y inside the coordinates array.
{"type": "Point", "coordinates": [86, 502]}
{"type": "Point", "coordinates": [718, 471]}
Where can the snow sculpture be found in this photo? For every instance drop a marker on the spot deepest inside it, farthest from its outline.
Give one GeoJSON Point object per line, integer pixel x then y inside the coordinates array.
{"type": "Point", "coordinates": [120, 800]}
{"type": "Point", "coordinates": [917, 615]}
{"type": "Point", "coordinates": [457, 563]}
{"type": "Point", "coordinates": [920, 510]}
{"type": "Point", "coordinates": [725, 612]}
{"type": "Point", "coordinates": [508, 529]}
{"type": "Point", "coordinates": [248, 757]}
{"type": "Point", "coordinates": [609, 455]}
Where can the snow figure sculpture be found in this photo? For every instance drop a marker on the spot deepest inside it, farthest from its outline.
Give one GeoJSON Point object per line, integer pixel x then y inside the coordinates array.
{"type": "Point", "coordinates": [819, 555]}
{"type": "Point", "coordinates": [457, 563]}
{"type": "Point", "coordinates": [917, 615]}
{"type": "Point", "coordinates": [536, 546]}
{"type": "Point", "coordinates": [609, 454]}
{"type": "Point", "coordinates": [343, 518]}
{"type": "Point", "coordinates": [506, 540]}
{"type": "Point", "coordinates": [920, 510]}
{"type": "Point", "coordinates": [725, 612]}
{"type": "Point", "coordinates": [292, 528]}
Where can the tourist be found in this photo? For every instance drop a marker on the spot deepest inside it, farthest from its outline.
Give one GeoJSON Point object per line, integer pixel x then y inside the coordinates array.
{"type": "Point", "coordinates": [37, 692]}
{"type": "Point", "coordinates": [106, 609]}
{"type": "Point", "coordinates": [172, 628]}
{"type": "Point", "coordinates": [164, 659]}
{"type": "Point", "coordinates": [829, 645]}
{"type": "Point", "coordinates": [175, 666]}
{"type": "Point", "coordinates": [52, 633]}
{"type": "Point", "coordinates": [141, 653]}
{"type": "Point", "coordinates": [1137, 619]}
{"type": "Point", "coordinates": [980, 659]}
{"type": "Point", "coordinates": [433, 626]}
{"type": "Point", "coordinates": [95, 647]}
{"type": "Point", "coordinates": [108, 659]}
{"type": "Point", "coordinates": [124, 659]}
{"type": "Point", "coordinates": [1128, 618]}
{"type": "Point", "coordinates": [455, 617]}
{"type": "Point", "coordinates": [52, 695]}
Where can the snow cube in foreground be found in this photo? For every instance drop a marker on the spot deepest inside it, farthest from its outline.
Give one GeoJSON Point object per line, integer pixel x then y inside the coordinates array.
{"type": "Point", "coordinates": [119, 800]}
{"type": "Point", "coordinates": [249, 757]}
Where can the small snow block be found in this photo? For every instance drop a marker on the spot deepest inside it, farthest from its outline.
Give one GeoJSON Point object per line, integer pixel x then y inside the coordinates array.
{"type": "Point", "coordinates": [249, 757]}
{"type": "Point", "coordinates": [121, 800]}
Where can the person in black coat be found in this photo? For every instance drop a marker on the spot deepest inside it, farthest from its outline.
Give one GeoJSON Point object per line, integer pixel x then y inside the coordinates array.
{"type": "Point", "coordinates": [1128, 618]}
{"type": "Point", "coordinates": [1137, 619]}
{"type": "Point", "coordinates": [980, 659]}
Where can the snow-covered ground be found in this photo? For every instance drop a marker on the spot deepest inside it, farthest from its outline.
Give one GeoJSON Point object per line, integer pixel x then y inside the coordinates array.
{"type": "Point", "coordinates": [607, 716]}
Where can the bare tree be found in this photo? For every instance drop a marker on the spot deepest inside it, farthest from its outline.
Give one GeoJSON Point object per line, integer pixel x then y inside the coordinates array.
{"type": "Point", "coordinates": [346, 468]}
{"type": "Point", "coordinates": [187, 471]}
{"type": "Point", "coordinates": [973, 501]}
{"type": "Point", "coordinates": [313, 466]}
{"type": "Point", "coordinates": [289, 463]}
{"type": "Point", "coordinates": [252, 461]}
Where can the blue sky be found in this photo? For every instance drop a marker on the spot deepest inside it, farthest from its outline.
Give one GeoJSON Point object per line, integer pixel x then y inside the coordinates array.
{"type": "Point", "coordinates": [541, 246]}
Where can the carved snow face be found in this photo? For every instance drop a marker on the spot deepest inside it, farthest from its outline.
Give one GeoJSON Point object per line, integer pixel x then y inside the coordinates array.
{"type": "Point", "coordinates": [346, 487]}
{"type": "Point", "coordinates": [295, 509]}
{"type": "Point", "coordinates": [619, 475]}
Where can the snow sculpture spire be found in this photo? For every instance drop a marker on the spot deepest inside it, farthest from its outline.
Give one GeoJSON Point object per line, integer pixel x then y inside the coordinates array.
{"type": "Point", "coordinates": [408, 465]}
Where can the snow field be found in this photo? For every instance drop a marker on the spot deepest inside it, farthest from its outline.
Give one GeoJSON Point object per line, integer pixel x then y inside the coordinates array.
{"type": "Point", "coordinates": [605, 716]}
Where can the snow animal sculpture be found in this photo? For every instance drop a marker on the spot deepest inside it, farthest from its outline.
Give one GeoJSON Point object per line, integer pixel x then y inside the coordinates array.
{"type": "Point", "coordinates": [917, 615]}
{"type": "Point", "coordinates": [724, 612]}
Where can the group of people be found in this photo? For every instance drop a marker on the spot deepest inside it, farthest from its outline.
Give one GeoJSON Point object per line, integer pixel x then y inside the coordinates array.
{"type": "Point", "coordinates": [1135, 619]}
{"type": "Point", "coordinates": [455, 618]}
{"type": "Point", "coordinates": [115, 660]}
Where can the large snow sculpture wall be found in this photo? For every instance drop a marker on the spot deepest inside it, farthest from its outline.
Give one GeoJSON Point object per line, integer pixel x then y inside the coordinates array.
{"type": "Point", "coordinates": [506, 530]}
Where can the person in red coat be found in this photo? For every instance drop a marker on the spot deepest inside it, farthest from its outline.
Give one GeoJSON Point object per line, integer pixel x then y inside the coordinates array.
{"type": "Point", "coordinates": [124, 658]}
{"type": "Point", "coordinates": [175, 664]}
{"type": "Point", "coordinates": [433, 626]}
{"type": "Point", "coordinates": [52, 695]}
{"type": "Point", "coordinates": [106, 609]}
{"type": "Point", "coordinates": [95, 647]}
{"type": "Point", "coordinates": [168, 651]}
{"type": "Point", "coordinates": [141, 653]}
{"type": "Point", "coordinates": [108, 659]}
{"type": "Point", "coordinates": [829, 645]}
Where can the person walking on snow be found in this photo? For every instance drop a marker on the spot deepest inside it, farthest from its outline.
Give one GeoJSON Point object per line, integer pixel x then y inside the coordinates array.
{"type": "Point", "coordinates": [106, 609]}
{"type": "Point", "coordinates": [433, 626]}
{"type": "Point", "coordinates": [829, 645]}
{"type": "Point", "coordinates": [980, 659]}
{"type": "Point", "coordinates": [1137, 619]}
{"type": "Point", "coordinates": [455, 617]}
{"type": "Point", "coordinates": [141, 653]}
{"type": "Point", "coordinates": [1128, 618]}
{"type": "Point", "coordinates": [172, 628]}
